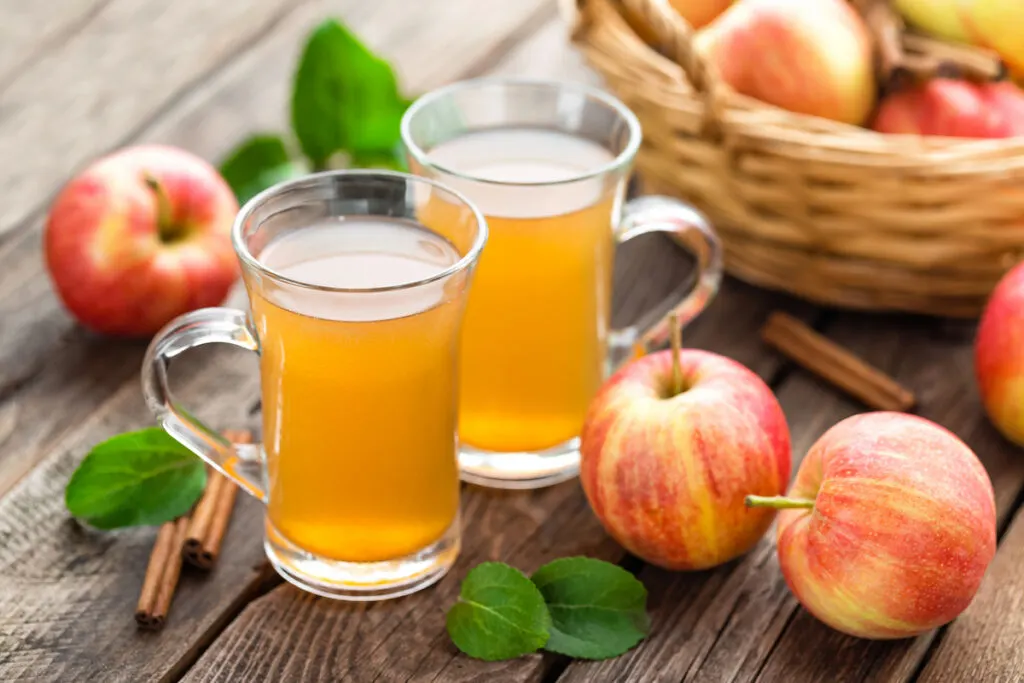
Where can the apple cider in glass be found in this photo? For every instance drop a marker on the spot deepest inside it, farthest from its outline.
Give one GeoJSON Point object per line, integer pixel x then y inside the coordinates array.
{"type": "Point", "coordinates": [347, 481]}
{"type": "Point", "coordinates": [534, 342]}
{"type": "Point", "coordinates": [547, 163]}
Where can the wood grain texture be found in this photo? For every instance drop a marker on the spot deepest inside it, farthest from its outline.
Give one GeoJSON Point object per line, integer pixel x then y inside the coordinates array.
{"type": "Point", "coordinates": [106, 81]}
{"type": "Point", "coordinates": [67, 593]}
{"type": "Point", "coordinates": [750, 627]}
{"type": "Point", "coordinates": [31, 30]}
{"type": "Point", "coordinates": [51, 371]}
{"type": "Point", "coordinates": [986, 643]}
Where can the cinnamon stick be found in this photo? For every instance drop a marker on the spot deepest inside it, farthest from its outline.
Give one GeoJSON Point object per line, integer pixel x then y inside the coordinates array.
{"type": "Point", "coordinates": [903, 57]}
{"type": "Point", "coordinates": [212, 514]}
{"type": "Point", "coordinates": [949, 59]}
{"type": "Point", "coordinates": [884, 26]}
{"type": "Point", "coordinates": [161, 575]}
{"type": "Point", "coordinates": [835, 364]}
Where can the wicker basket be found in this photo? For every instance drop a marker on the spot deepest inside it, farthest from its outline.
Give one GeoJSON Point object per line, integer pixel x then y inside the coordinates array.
{"type": "Point", "coordinates": [833, 213]}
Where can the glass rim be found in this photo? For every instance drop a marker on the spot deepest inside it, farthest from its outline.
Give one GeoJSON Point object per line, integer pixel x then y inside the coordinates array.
{"type": "Point", "coordinates": [312, 179]}
{"type": "Point", "coordinates": [622, 159]}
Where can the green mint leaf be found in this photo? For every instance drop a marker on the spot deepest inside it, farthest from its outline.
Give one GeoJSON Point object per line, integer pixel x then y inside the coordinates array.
{"type": "Point", "coordinates": [392, 160]}
{"type": "Point", "coordinates": [500, 614]}
{"type": "Point", "coordinates": [256, 164]}
{"type": "Point", "coordinates": [139, 478]}
{"type": "Point", "coordinates": [345, 98]}
{"type": "Point", "coordinates": [598, 610]}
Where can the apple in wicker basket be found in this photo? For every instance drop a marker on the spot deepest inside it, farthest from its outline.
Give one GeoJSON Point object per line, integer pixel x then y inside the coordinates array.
{"type": "Point", "coordinates": [698, 13]}
{"type": "Point", "coordinates": [998, 25]}
{"type": "Point", "coordinates": [808, 57]}
{"type": "Point", "coordinates": [666, 471]}
{"type": "Point", "coordinates": [999, 356]}
{"type": "Point", "coordinates": [954, 108]}
{"type": "Point", "coordinates": [888, 527]}
{"type": "Point", "coordinates": [940, 18]}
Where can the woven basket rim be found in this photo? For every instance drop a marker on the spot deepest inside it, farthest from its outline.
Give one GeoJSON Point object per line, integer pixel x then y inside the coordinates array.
{"type": "Point", "coordinates": [785, 127]}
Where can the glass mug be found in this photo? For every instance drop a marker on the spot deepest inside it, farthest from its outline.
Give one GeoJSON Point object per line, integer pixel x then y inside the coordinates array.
{"type": "Point", "coordinates": [355, 312]}
{"type": "Point", "coordinates": [547, 164]}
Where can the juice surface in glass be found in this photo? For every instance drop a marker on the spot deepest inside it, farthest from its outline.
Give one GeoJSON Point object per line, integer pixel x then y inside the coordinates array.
{"type": "Point", "coordinates": [535, 336]}
{"type": "Point", "coordinates": [359, 421]}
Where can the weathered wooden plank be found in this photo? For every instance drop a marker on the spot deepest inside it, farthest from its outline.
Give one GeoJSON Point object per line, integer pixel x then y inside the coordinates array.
{"type": "Point", "coordinates": [753, 628]}
{"type": "Point", "coordinates": [987, 642]}
{"type": "Point", "coordinates": [30, 30]}
{"type": "Point", "coordinates": [107, 81]}
{"type": "Point", "coordinates": [289, 635]}
{"type": "Point", "coordinates": [42, 352]}
{"type": "Point", "coordinates": [67, 593]}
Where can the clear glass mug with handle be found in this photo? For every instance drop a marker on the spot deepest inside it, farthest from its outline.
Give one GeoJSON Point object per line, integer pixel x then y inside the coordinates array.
{"type": "Point", "coordinates": [355, 311]}
{"type": "Point", "coordinates": [547, 163]}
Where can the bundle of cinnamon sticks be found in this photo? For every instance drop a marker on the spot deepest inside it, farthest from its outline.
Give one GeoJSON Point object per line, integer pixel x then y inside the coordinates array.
{"type": "Point", "coordinates": [194, 539]}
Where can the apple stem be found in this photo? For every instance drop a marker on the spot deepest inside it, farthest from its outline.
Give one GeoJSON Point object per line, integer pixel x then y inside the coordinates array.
{"type": "Point", "coordinates": [779, 502]}
{"type": "Point", "coordinates": [168, 231]}
{"type": "Point", "coordinates": [676, 341]}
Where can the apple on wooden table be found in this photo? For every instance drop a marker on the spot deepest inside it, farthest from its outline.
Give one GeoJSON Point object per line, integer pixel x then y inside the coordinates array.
{"type": "Point", "coordinates": [999, 356]}
{"type": "Point", "coordinates": [888, 527]}
{"type": "Point", "coordinates": [140, 237]}
{"type": "Point", "coordinates": [669, 452]}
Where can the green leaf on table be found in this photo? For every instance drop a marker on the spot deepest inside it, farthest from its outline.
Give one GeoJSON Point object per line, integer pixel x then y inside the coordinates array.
{"type": "Point", "coordinates": [598, 610]}
{"type": "Point", "coordinates": [345, 98]}
{"type": "Point", "coordinates": [133, 479]}
{"type": "Point", "coordinates": [500, 614]}
{"type": "Point", "coordinates": [256, 164]}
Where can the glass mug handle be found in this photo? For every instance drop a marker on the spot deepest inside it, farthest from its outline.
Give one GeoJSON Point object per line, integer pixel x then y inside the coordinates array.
{"type": "Point", "coordinates": [692, 229]}
{"type": "Point", "coordinates": [239, 462]}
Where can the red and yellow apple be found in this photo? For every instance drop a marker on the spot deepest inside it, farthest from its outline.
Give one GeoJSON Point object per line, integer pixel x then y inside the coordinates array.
{"type": "Point", "coordinates": [808, 57]}
{"type": "Point", "coordinates": [888, 527]}
{"type": "Point", "coordinates": [699, 13]}
{"type": "Point", "coordinates": [139, 237]}
{"type": "Point", "coordinates": [954, 108]}
{"type": "Point", "coordinates": [999, 356]}
{"type": "Point", "coordinates": [998, 25]}
{"type": "Point", "coordinates": [666, 473]}
{"type": "Point", "coordinates": [940, 18]}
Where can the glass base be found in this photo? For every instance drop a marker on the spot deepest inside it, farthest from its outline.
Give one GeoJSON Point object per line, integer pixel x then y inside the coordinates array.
{"type": "Point", "coordinates": [526, 470]}
{"type": "Point", "coordinates": [362, 581]}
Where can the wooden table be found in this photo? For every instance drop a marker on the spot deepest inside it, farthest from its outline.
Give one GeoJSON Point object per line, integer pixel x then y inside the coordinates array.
{"type": "Point", "coordinates": [80, 77]}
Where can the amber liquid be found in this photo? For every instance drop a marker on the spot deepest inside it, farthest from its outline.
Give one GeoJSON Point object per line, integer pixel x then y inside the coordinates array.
{"type": "Point", "coordinates": [359, 410]}
{"type": "Point", "coordinates": [534, 342]}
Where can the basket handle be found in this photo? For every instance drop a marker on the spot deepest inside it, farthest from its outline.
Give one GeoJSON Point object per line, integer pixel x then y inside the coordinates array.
{"type": "Point", "coordinates": [676, 37]}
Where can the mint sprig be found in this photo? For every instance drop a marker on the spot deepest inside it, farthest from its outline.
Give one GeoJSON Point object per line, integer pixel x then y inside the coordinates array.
{"type": "Point", "coordinates": [133, 479]}
{"type": "Point", "coordinates": [346, 108]}
{"type": "Point", "coordinates": [576, 606]}
{"type": "Point", "coordinates": [256, 164]}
